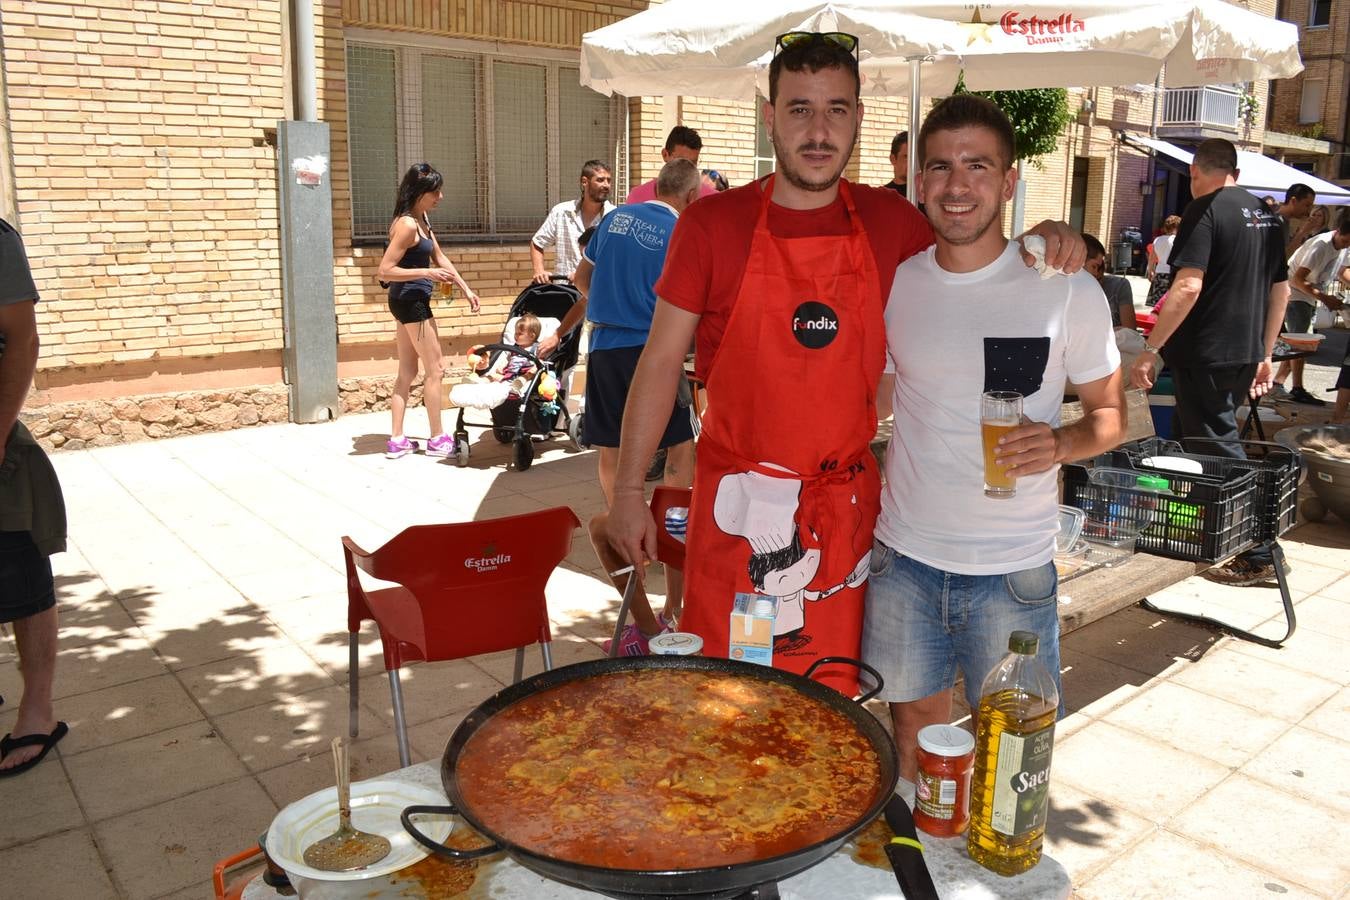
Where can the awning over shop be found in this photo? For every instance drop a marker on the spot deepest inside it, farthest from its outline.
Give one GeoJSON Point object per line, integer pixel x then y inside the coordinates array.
{"type": "Point", "coordinates": [1258, 174]}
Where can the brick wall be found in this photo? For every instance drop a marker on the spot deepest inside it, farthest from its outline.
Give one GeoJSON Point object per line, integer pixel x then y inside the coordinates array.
{"type": "Point", "coordinates": [143, 185]}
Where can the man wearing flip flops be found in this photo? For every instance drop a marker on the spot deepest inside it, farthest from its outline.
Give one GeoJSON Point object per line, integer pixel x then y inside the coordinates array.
{"type": "Point", "coordinates": [32, 520]}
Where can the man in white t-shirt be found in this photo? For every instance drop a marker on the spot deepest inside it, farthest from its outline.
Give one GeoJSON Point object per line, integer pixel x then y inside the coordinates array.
{"type": "Point", "coordinates": [953, 572]}
{"type": "Point", "coordinates": [1310, 269]}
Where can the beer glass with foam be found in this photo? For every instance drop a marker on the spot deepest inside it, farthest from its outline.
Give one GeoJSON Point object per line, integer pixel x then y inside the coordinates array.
{"type": "Point", "coordinates": [1000, 412]}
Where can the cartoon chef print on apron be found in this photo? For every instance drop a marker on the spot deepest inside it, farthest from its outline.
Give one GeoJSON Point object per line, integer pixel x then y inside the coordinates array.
{"type": "Point", "coordinates": [786, 491]}
{"type": "Point", "coordinates": [764, 510]}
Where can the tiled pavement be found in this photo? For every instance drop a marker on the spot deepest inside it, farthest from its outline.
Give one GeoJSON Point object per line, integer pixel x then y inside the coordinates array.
{"type": "Point", "coordinates": [203, 668]}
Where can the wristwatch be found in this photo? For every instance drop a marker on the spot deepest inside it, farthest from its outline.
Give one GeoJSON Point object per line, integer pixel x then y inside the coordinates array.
{"type": "Point", "coordinates": [1149, 348]}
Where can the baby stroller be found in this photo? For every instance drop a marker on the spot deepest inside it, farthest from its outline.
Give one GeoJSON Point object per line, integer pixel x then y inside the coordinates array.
{"type": "Point", "coordinates": [524, 415]}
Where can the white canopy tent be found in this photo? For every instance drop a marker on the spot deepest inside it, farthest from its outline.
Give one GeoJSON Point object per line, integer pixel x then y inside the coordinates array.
{"type": "Point", "coordinates": [721, 49]}
{"type": "Point", "coordinates": [1258, 174]}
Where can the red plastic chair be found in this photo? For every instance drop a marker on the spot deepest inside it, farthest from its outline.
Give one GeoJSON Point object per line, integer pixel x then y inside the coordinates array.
{"type": "Point", "coordinates": [668, 550]}
{"type": "Point", "coordinates": [463, 590]}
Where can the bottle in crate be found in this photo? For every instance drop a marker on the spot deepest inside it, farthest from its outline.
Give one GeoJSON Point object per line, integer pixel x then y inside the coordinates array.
{"type": "Point", "coordinates": [1010, 791]}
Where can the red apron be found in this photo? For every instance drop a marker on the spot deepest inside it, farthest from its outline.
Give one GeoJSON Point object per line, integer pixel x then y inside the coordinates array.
{"type": "Point", "coordinates": [786, 491]}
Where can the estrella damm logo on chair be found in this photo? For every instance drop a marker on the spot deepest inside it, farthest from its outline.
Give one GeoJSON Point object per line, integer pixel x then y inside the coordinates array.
{"type": "Point", "coordinates": [489, 560]}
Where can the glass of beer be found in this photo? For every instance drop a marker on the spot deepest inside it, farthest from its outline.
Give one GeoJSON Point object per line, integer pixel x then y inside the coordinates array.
{"type": "Point", "coordinates": [1000, 412]}
{"type": "Point", "coordinates": [443, 290]}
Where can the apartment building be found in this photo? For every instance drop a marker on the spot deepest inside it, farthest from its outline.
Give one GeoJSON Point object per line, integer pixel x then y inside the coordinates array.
{"type": "Point", "coordinates": [1308, 121]}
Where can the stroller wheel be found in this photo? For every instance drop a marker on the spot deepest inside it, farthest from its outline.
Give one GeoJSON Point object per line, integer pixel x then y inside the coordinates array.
{"type": "Point", "coordinates": [504, 435]}
{"type": "Point", "coordinates": [574, 431]}
{"type": "Point", "coordinates": [524, 454]}
{"type": "Point", "coordinates": [462, 452]}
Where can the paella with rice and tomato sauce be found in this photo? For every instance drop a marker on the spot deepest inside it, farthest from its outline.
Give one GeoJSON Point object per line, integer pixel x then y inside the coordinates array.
{"type": "Point", "coordinates": [667, 769]}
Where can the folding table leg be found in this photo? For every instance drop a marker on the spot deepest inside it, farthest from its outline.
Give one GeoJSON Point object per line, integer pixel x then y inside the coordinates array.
{"type": "Point", "coordinates": [547, 654]}
{"type": "Point", "coordinates": [400, 725]}
{"type": "Point", "coordinates": [520, 665]}
{"type": "Point", "coordinates": [1290, 620]}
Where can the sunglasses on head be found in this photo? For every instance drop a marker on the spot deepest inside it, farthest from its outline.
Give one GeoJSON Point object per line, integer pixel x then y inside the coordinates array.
{"type": "Point", "coordinates": [794, 39]}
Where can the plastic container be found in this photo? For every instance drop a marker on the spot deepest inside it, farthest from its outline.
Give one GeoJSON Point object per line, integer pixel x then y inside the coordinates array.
{"type": "Point", "coordinates": [1010, 790]}
{"type": "Point", "coordinates": [675, 643]}
{"type": "Point", "coordinates": [946, 757]}
{"type": "Point", "coordinates": [1070, 526]}
{"type": "Point", "coordinates": [1106, 547]}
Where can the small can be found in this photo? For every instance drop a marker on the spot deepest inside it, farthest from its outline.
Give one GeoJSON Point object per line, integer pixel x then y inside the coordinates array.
{"type": "Point", "coordinates": [676, 643]}
{"type": "Point", "coordinates": [677, 522]}
{"type": "Point", "coordinates": [946, 758]}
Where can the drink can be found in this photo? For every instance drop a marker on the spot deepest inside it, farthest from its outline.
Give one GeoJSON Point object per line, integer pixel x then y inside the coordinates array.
{"type": "Point", "coordinates": [677, 522]}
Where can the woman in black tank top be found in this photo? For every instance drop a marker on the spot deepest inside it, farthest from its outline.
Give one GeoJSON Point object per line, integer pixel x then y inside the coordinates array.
{"type": "Point", "coordinates": [413, 267]}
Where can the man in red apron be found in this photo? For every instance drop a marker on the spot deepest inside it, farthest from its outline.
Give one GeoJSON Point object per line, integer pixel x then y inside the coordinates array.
{"type": "Point", "coordinates": [781, 284]}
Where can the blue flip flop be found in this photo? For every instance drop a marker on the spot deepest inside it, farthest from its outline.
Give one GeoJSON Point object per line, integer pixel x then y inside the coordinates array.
{"type": "Point", "coordinates": [9, 743]}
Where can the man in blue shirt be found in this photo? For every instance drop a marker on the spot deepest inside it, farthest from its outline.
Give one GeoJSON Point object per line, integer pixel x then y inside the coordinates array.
{"type": "Point", "coordinates": [617, 277]}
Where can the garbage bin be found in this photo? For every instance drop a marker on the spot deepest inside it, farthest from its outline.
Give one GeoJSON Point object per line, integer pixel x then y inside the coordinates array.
{"type": "Point", "coordinates": [1122, 255]}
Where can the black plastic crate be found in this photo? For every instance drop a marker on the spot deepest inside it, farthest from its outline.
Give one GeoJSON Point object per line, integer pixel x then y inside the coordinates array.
{"type": "Point", "coordinates": [1206, 518]}
{"type": "Point", "coordinates": [1277, 471]}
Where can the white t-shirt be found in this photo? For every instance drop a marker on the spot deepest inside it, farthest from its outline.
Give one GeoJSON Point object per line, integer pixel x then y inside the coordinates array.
{"type": "Point", "coordinates": [952, 337]}
{"type": "Point", "coordinates": [1319, 255]}
{"type": "Point", "coordinates": [1162, 249]}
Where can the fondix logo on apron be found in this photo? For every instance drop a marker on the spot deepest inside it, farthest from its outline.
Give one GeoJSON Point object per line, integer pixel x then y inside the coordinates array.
{"type": "Point", "coordinates": [814, 325]}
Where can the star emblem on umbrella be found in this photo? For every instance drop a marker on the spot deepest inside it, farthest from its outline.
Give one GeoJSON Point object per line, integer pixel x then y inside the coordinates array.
{"type": "Point", "coordinates": [976, 29]}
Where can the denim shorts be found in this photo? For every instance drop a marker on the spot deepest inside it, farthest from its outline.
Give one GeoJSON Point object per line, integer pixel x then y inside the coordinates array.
{"type": "Point", "coordinates": [26, 587]}
{"type": "Point", "coordinates": [922, 624]}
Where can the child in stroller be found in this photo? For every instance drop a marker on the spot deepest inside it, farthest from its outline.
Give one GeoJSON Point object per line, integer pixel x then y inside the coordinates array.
{"type": "Point", "coordinates": [527, 396]}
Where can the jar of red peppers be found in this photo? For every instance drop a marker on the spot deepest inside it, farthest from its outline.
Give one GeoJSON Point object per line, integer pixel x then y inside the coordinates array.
{"type": "Point", "coordinates": [942, 789]}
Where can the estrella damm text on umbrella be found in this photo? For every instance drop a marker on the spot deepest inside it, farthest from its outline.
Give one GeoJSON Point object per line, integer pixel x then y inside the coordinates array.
{"type": "Point", "coordinates": [1041, 30]}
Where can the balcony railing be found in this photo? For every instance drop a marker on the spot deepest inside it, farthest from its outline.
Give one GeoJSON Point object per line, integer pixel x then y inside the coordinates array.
{"type": "Point", "coordinates": [1207, 107]}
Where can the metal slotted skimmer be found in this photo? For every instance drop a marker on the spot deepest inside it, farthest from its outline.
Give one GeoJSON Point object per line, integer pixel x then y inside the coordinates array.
{"type": "Point", "coordinates": [347, 849]}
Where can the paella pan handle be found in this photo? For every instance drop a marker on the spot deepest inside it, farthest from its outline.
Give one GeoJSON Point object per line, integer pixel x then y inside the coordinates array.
{"type": "Point", "coordinates": [849, 661]}
{"type": "Point", "coordinates": [436, 846]}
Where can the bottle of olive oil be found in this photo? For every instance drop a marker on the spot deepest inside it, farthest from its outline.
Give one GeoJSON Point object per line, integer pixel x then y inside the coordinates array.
{"type": "Point", "coordinates": [1010, 790]}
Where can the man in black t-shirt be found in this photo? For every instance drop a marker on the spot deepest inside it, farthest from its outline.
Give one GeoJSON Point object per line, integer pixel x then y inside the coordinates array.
{"type": "Point", "coordinates": [1223, 314]}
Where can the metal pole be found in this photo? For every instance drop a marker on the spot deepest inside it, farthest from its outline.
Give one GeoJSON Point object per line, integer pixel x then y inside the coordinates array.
{"type": "Point", "coordinates": [302, 37]}
{"type": "Point", "coordinates": [911, 182]}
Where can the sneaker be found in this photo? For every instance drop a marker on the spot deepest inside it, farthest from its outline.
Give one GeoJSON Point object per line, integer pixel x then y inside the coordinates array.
{"type": "Point", "coordinates": [1278, 392]}
{"type": "Point", "coordinates": [441, 445]}
{"type": "Point", "coordinates": [657, 470]}
{"type": "Point", "coordinates": [1238, 572]}
{"type": "Point", "coordinates": [1301, 395]}
{"type": "Point", "coordinates": [401, 447]}
{"type": "Point", "coordinates": [632, 642]}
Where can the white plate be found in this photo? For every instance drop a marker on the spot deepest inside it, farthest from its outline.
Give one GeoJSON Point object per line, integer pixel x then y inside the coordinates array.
{"type": "Point", "coordinates": [376, 806]}
{"type": "Point", "coordinates": [1174, 464]}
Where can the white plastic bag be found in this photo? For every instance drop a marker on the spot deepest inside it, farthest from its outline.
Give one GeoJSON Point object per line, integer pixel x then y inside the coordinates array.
{"type": "Point", "coordinates": [1323, 319]}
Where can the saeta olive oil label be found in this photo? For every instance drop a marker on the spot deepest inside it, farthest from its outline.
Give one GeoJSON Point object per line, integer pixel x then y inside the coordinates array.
{"type": "Point", "coordinates": [1022, 781]}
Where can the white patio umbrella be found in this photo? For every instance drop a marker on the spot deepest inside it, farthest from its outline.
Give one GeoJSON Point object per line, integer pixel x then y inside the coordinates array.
{"type": "Point", "coordinates": [722, 49]}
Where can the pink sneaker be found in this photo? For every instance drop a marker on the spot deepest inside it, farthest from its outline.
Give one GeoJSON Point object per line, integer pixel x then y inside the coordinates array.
{"type": "Point", "coordinates": [632, 642]}
{"type": "Point", "coordinates": [401, 447]}
{"type": "Point", "coordinates": [442, 445]}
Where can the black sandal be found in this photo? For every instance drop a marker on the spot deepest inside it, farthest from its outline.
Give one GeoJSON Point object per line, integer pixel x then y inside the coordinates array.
{"type": "Point", "coordinates": [9, 743]}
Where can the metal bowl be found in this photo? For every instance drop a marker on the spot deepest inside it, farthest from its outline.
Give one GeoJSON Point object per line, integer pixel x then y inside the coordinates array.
{"type": "Point", "coordinates": [1328, 476]}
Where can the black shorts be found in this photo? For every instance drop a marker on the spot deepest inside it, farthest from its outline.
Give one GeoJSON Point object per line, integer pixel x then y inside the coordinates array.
{"type": "Point", "coordinates": [26, 587]}
{"type": "Point", "coordinates": [609, 373]}
{"type": "Point", "coordinates": [410, 303]}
